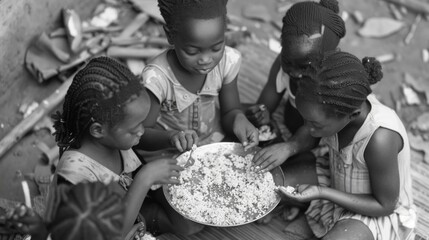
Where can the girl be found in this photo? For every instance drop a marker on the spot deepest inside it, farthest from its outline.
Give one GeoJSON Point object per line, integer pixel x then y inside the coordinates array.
{"type": "Point", "coordinates": [364, 189]}
{"type": "Point", "coordinates": [102, 119]}
{"type": "Point", "coordinates": [309, 28]}
{"type": "Point", "coordinates": [186, 81]}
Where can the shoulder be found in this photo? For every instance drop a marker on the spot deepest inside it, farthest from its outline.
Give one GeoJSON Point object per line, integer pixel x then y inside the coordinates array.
{"type": "Point", "coordinates": [76, 167]}
{"type": "Point", "coordinates": [384, 144]}
{"type": "Point", "coordinates": [232, 55]}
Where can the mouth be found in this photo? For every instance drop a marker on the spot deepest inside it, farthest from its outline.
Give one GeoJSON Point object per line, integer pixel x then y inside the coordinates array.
{"type": "Point", "coordinates": [204, 70]}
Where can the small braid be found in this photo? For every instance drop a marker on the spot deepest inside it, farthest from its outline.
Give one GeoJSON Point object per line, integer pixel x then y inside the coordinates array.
{"type": "Point", "coordinates": [340, 81]}
{"type": "Point", "coordinates": [97, 94]}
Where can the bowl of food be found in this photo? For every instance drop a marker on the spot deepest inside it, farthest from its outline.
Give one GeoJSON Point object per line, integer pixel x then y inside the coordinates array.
{"type": "Point", "coordinates": [221, 188]}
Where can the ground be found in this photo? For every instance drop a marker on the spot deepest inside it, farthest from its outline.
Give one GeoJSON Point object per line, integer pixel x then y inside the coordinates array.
{"type": "Point", "coordinates": [25, 156]}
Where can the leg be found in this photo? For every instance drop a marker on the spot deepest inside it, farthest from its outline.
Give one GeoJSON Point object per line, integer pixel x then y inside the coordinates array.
{"type": "Point", "coordinates": [168, 220]}
{"type": "Point", "coordinates": [351, 229]}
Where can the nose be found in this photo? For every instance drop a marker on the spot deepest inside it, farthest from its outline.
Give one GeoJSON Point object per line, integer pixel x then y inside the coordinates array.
{"type": "Point", "coordinates": [205, 59]}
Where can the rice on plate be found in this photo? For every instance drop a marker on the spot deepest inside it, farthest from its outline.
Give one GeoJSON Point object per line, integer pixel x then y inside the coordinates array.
{"type": "Point", "coordinates": [222, 188]}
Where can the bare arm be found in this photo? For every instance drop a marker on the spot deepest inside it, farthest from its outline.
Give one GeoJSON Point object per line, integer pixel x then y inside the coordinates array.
{"type": "Point", "coordinates": [233, 119]}
{"type": "Point", "coordinates": [382, 162]}
{"type": "Point", "coordinates": [269, 95]}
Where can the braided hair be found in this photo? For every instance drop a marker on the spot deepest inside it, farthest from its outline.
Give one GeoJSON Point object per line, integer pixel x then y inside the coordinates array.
{"type": "Point", "coordinates": [340, 81]}
{"type": "Point", "coordinates": [85, 211]}
{"type": "Point", "coordinates": [308, 17]}
{"type": "Point", "coordinates": [175, 12]}
{"type": "Point", "coordinates": [97, 94]}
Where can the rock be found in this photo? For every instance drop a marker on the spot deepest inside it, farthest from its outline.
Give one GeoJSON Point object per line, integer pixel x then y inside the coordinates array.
{"type": "Point", "coordinates": [421, 123]}
{"type": "Point", "coordinates": [257, 12]}
{"type": "Point", "coordinates": [380, 27]}
{"type": "Point", "coordinates": [417, 143]}
{"type": "Point", "coordinates": [420, 85]}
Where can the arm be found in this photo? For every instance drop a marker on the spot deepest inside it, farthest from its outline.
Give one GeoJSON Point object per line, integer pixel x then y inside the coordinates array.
{"type": "Point", "coordinates": [268, 97]}
{"type": "Point", "coordinates": [156, 139]}
{"type": "Point", "coordinates": [233, 119]}
{"type": "Point", "coordinates": [160, 171]}
{"type": "Point", "coordinates": [275, 155]}
{"type": "Point", "coordinates": [381, 158]}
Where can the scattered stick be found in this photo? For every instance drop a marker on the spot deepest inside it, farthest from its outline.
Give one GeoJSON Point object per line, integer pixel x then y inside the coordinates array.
{"type": "Point", "coordinates": [413, 28]}
{"type": "Point", "coordinates": [413, 5]}
{"type": "Point", "coordinates": [45, 107]}
{"type": "Point", "coordinates": [126, 52]}
{"type": "Point", "coordinates": [395, 11]}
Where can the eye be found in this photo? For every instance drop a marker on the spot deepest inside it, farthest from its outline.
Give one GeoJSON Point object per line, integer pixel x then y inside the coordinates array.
{"type": "Point", "coordinates": [191, 51]}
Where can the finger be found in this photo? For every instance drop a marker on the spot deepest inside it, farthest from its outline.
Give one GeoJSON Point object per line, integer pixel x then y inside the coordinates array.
{"type": "Point", "coordinates": [268, 165]}
{"type": "Point", "coordinates": [177, 144]}
{"type": "Point", "coordinates": [262, 158]}
{"type": "Point", "coordinates": [177, 168]}
{"type": "Point", "coordinates": [189, 141]}
{"type": "Point", "coordinates": [183, 141]}
{"type": "Point", "coordinates": [195, 137]}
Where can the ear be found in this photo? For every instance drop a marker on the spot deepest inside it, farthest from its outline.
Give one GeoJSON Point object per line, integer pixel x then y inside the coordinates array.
{"type": "Point", "coordinates": [97, 130]}
{"type": "Point", "coordinates": [354, 114]}
{"type": "Point", "coordinates": [169, 35]}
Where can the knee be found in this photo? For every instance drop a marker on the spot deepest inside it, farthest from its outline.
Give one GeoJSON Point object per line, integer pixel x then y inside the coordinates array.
{"type": "Point", "coordinates": [187, 228]}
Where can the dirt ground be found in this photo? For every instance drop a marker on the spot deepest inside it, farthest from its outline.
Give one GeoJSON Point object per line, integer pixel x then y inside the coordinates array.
{"type": "Point", "coordinates": [25, 156]}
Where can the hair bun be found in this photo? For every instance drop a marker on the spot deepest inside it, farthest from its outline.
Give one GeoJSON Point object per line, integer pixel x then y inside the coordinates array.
{"type": "Point", "coordinates": [373, 68]}
{"type": "Point", "coordinates": [330, 4]}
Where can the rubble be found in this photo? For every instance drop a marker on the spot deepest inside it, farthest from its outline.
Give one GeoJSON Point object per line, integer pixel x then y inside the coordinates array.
{"type": "Point", "coordinates": [380, 27]}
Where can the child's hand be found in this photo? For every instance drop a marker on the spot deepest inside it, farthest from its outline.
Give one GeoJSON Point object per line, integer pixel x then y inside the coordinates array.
{"type": "Point", "coordinates": [184, 140]}
{"type": "Point", "coordinates": [246, 133]}
{"type": "Point", "coordinates": [302, 193]}
{"type": "Point", "coordinates": [258, 115]}
{"type": "Point", "coordinates": [162, 171]}
{"type": "Point", "coordinates": [24, 220]}
{"type": "Point", "coordinates": [271, 156]}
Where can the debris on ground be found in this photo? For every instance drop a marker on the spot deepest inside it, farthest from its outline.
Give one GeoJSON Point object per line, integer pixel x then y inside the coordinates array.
{"type": "Point", "coordinates": [380, 27]}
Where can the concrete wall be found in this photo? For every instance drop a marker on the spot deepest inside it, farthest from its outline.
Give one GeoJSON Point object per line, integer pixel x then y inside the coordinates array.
{"type": "Point", "coordinates": [20, 22]}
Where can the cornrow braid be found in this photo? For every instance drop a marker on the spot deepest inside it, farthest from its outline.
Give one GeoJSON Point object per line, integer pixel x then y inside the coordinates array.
{"type": "Point", "coordinates": [340, 81]}
{"type": "Point", "coordinates": [97, 94]}
{"type": "Point", "coordinates": [175, 12]}
{"type": "Point", "coordinates": [308, 17]}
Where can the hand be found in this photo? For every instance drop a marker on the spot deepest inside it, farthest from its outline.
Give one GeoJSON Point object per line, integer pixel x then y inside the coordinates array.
{"type": "Point", "coordinates": [303, 193]}
{"type": "Point", "coordinates": [161, 171]}
{"type": "Point", "coordinates": [246, 133]}
{"type": "Point", "coordinates": [272, 156]}
{"type": "Point", "coordinates": [258, 115]}
{"type": "Point", "coordinates": [184, 140]}
{"type": "Point", "coordinates": [23, 219]}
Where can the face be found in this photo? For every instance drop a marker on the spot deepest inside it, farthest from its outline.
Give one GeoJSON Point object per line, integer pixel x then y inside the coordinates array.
{"type": "Point", "coordinates": [317, 121]}
{"type": "Point", "coordinates": [128, 131]}
{"type": "Point", "coordinates": [297, 52]}
{"type": "Point", "coordinates": [199, 44]}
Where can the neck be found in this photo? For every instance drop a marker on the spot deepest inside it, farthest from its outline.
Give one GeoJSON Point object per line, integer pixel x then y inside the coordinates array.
{"type": "Point", "coordinates": [99, 152]}
{"type": "Point", "coordinates": [346, 135]}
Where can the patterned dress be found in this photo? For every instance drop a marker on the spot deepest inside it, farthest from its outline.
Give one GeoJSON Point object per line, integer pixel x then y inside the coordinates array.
{"type": "Point", "coordinates": [183, 110]}
{"type": "Point", "coordinates": [346, 170]}
{"type": "Point", "coordinates": [76, 167]}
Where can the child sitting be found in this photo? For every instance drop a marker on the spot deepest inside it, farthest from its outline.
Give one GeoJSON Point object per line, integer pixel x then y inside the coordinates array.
{"type": "Point", "coordinates": [364, 189]}
{"type": "Point", "coordinates": [309, 28]}
{"type": "Point", "coordinates": [102, 119]}
{"type": "Point", "coordinates": [186, 81]}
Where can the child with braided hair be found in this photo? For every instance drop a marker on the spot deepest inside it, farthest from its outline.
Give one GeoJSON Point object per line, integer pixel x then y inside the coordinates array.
{"type": "Point", "coordinates": [186, 81]}
{"type": "Point", "coordinates": [364, 189]}
{"type": "Point", "coordinates": [309, 28]}
{"type": "Point", "coordinates": [102, 119]}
